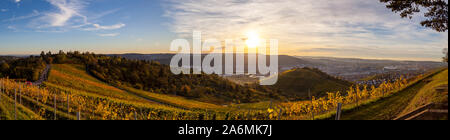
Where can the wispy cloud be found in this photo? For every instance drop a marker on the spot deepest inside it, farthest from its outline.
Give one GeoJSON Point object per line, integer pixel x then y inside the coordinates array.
{"type": "Point", "coordinates": [66, 15]}
{"type": "Point", "coordinates": [67, 9]}
{"type": "Point", "coordinates": [32, 15]}
{"type": "Point", "coordinates": [301, 23]}
{"type": "Point", "coordinates": [3, 10]}
{"type": "Point", "coordinates": [109, 35]}
{"type": "Point", "coordinates": [100, 27]}
{"type": "Point", "coordinates": [11, 27]}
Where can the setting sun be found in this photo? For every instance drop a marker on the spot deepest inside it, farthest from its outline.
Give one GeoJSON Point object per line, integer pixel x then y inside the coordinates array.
{"type": "Point", "coordinates": [253, 39]}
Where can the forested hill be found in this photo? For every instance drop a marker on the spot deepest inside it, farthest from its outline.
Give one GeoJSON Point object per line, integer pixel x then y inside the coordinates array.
{"type": "Point", "coordinates": [21, 68]}
{"type": "Point", "coordinates": [297, 83]}
{"type": "Point", "coordinates": [145, 75]}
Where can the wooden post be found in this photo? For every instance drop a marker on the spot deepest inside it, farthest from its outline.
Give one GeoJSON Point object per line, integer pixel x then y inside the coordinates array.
{"type": "Point", "coordinates": [20, 95]}
{"type": "Point", "coordinates": [68, 104]}
{"type": "Point", "coordinates": [135, 115]}
{"type": "Point", "coordinates": [1, 90]}
{"type": "Point", "coordinates": [15, 104]}
{"type": "Point", "coordinates": [312, 104]}
{"type": "Point", "coordinates": [338, 111]}
{"type": "Point", "coordinates": [279, 114]}
{"type": "Point", "coordinates": [54, 99]}
{"type": "Point", "coordinates": [142, 115]}
{"type": "Point", "coordinates": [78, 115]}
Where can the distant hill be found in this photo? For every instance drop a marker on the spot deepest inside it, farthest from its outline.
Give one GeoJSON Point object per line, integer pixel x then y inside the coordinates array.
{"type": "Point", "coordinates": [297, 82]}
{"type": "Point", "coordinates": [283, 60]}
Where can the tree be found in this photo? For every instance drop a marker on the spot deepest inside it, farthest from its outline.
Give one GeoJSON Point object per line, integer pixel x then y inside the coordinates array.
{"type": "Point", "coordinates": [4, 67]}
{"type": "Point", "coordinates": [436, 17]}
{"type": "Point", "coordinates": [445, 58]}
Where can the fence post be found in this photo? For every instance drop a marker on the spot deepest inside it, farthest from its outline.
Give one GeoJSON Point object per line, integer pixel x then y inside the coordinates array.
{"type": "Point", "coordinates": [20, 94]}
{"type": "Point", "coordinates": [135, 115]}
{"type": "Point", "coordinates": [54, 99]}
{"type": "Point", "coordinates": [15, 104]}
{"type": "Point", "coordinates": [68, 104]}
{"type": "Point", "coordinates": [78, 115]}
{"type": "Point", "coordinates": [338, 111]}
{"type": "Point", "coordinates": [279, 114]}
{"type": "Point", "coordinates": [312, 104]}
{"type": "Point", "coordinates": [1, 90]}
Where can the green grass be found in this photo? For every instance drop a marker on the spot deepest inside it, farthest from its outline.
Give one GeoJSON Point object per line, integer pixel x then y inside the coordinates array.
{"type": "Point", "coordinates": [7, 110]}
{"type": "Point", "coordinates": [429, 94]}
{"type": "Point", "coordinates": [386, 108]}
{"type": "Point", "coordinates": [175, 101]}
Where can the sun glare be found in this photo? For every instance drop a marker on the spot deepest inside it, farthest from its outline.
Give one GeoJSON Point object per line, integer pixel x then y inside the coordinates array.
{"type": "Point", "coordinates": [253, 39]}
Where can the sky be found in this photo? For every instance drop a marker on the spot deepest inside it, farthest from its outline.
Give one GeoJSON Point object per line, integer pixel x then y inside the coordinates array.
{"type": "Point", "coordinates": [331, 28]}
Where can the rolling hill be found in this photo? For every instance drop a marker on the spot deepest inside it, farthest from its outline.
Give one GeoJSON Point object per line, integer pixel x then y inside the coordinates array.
{"type": "Point", "coordinates": [298, 82]}
{"type": "Point", "coordinates": [74, 77]}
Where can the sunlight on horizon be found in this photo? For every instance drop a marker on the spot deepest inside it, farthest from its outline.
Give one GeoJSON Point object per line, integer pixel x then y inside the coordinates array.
{"type": "Point", "coordinates": [253, 40]}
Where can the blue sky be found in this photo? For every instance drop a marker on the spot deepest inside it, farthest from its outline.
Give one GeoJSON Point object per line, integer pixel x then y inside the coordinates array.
{"type": "Point", "coordinates": [342, 28]}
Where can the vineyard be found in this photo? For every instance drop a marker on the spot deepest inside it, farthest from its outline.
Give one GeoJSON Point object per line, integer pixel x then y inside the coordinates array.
{"type": "Point", "coordinates": [72, 94]}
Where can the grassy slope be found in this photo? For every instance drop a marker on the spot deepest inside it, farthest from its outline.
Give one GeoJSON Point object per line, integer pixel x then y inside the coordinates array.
{"type": "Point", "coordinates": [386, 108]}
{"type": "Point", "coordinates": [7, 110]}
{"type": "Point", "coordinates": [428, 93]}
{"type": "Point", "coordinates": [75, 77]}
{"type": "Point", "coordinates": [298, 81]}
{"type": "Point", "coordinates": [65, 76]}
{"type": "Point", "coordinates": [176, 101]}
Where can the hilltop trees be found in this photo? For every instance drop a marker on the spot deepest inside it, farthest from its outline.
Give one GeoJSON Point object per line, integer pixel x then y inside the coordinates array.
{"type": "Point", "coordinates": [436, 15]}
{"type": "Point", "coordinates": [140, 74]}
{"type": "Point", "coordinates": [154, 77]}
{"type": "Point", "coordinates": [24, 68]}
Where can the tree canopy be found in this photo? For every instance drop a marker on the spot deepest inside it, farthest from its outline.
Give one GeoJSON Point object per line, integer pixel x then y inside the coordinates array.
{"type": "Point", "coordinates": [436, 15]}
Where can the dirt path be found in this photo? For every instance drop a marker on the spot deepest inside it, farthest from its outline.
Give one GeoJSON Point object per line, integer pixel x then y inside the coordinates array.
{"type": "Point", "coordinates": [43, 77]}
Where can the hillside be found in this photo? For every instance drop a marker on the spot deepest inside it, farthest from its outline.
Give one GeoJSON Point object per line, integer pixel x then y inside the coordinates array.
{"type": "Point", "coordinates": [418, 93]}
{"type": "Point", "coordinates": [283, 60]}
{"type": "Point", "coordinates": [157, 78]}
{"type": "Point", "coordinates": [431, 93]}
{"type": "Point", "coordinates": [73, 77]}
{"type": "Point", "coordinates": [298, 82]}
{"type": "Point", "coordinates": [113, 72]}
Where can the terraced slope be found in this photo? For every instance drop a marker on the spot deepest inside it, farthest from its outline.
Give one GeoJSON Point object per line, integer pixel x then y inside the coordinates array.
{"type": "Point", "coordinates": [75, 78]}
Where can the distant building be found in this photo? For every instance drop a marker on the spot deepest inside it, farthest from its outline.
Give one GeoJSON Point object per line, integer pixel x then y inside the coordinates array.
{"type": "Point", "coordinates": [390, 68]}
